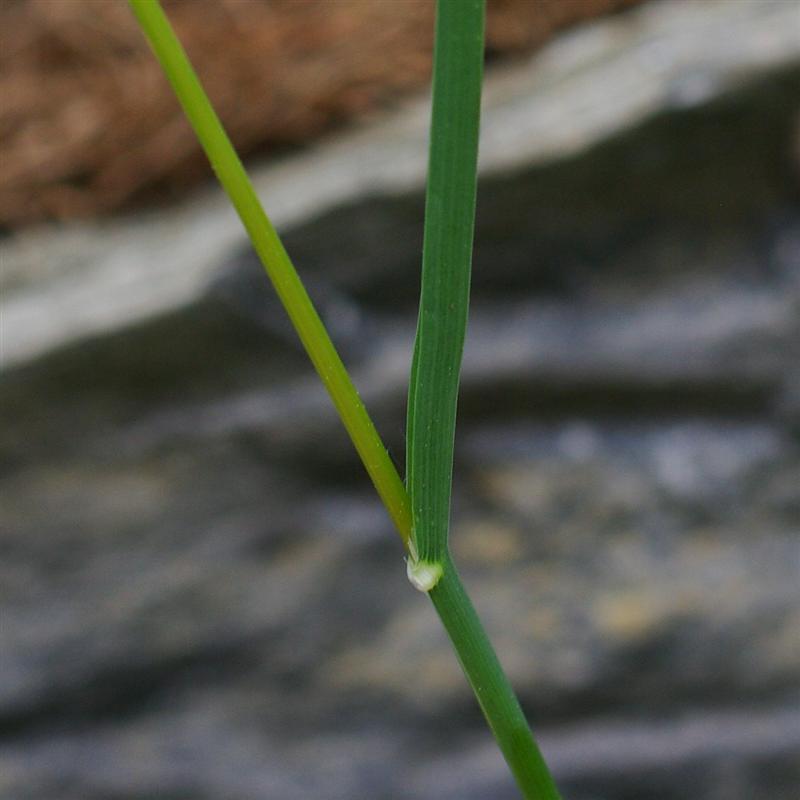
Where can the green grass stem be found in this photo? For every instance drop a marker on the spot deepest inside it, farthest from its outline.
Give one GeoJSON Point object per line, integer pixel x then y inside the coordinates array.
{"type": "Point", "coordinates": [491, 687]}
{"type": "Point", "coordinates": [448, 242]}
{"type": "Point", "coordinates": [278, 266]}
{"type": "Point", "coordinates": [433, 388]}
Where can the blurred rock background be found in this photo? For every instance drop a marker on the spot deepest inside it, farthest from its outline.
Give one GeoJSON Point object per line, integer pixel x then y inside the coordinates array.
{"type": "Point", "coordinates": [107, 131]}
{"type": "Point", "coordinates": [201, 597]}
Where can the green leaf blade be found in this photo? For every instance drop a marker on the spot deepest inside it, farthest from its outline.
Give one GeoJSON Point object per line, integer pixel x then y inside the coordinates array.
{"type": "Point", "coordinates": [438, 348]}
{"type": "Point", "coordinates": [446, 268]}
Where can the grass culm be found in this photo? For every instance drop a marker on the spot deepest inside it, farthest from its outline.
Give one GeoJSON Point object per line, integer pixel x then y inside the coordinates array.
{"type": "Point", "coordinates": [420, 506]}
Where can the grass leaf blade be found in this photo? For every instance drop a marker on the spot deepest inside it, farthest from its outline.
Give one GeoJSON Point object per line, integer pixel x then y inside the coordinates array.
{"type": "Point", "coordinates": [446, 266]}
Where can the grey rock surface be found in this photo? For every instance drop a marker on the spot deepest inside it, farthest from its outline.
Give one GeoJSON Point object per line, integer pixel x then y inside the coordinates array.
{"type": "Point", "coordinates": [201, 596]}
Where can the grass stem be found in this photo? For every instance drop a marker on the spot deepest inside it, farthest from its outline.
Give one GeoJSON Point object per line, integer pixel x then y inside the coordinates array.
{"type": "Point", "coordinates": [480, 663]}
{"type": "Point", "coordinates": [491, 687]}
{"type": "Point", "coordinates": [433, 388]}
{"type": "Point", "coordinates": [276, 262]}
